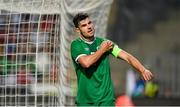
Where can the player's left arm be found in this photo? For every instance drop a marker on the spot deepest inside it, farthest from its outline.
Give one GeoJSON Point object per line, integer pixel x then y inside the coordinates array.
{"type": "Point", "coordinates": [119, 53]}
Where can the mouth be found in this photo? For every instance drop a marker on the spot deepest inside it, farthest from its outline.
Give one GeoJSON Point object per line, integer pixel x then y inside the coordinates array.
{"type": "Point", "coordinates": [90, 31]}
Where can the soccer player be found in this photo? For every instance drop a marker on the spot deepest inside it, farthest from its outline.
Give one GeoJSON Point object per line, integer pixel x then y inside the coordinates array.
{"type": "Point", "coordinates": [90, 58]}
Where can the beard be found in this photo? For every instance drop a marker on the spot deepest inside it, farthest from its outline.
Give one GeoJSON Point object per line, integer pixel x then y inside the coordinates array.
{"type": "Point", "coordinates": [90, 37]}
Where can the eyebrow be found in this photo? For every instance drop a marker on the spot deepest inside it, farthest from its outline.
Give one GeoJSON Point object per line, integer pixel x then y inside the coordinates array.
{"type": "Point", "coordinates": [86, 24]}
{"type": "Point", "coordinates": [89, 22]}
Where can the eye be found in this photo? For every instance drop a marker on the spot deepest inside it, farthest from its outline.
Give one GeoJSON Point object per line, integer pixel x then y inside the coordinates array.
{"type": "Point", "coordinates": [89, 22]}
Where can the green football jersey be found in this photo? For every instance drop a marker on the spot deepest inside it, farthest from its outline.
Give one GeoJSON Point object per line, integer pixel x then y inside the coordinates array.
{"type": "Point", "coordinates": [94, 83]}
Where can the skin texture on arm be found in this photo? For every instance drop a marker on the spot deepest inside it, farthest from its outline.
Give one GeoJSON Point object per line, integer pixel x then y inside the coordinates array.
{"type": "Point", "coordinates": [88, 60]}
{"type": "Point", "coordinates": [145, 73]}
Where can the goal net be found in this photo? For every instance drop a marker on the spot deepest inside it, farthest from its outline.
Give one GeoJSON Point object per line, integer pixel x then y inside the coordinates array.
{"type": "Point", "coordinates": [35, 37]}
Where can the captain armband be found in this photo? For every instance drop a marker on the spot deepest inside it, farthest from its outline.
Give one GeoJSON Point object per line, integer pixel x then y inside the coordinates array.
{"type": "Point", "coordinates": [116, 50]}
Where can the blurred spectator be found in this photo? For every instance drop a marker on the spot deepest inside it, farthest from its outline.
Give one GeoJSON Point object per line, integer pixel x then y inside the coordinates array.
{"type": "Point", "coordinates": [151, 89]}
{"type": "Point", "coordinates": [130, 82]}
{"type": "Point", "coordinates": [54, 73]}
{"type": "Point", "coordinates": [24, 77]}
{"type": "Point", "coordinates": [139, 88]}
{"type": "Point", "coordinates": [43, 62]}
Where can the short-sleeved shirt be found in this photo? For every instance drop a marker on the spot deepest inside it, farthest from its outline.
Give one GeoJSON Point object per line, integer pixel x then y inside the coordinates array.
{"type": "Point", "coordinates": [94, 83]}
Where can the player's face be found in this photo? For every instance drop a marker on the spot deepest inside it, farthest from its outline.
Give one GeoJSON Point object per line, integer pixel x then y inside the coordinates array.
{"type": "Point", "coordinates": [86, 28]}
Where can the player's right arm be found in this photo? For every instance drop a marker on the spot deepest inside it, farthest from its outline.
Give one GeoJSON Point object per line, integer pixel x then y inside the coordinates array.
{"type": "Point", "coordinates": [88, 60]}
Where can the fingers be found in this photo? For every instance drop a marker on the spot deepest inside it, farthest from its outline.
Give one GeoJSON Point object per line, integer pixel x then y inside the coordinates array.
{"type": "Point", "coordinates": [107, 45]}
{"type": "Point", "coordinates": [147, 75]}
{"type": "Point", "coordinates": [107, 42]}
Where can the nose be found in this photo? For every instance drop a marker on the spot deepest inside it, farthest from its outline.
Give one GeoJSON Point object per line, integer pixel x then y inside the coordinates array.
{"type": "Point", "coordinates": [89, 26]}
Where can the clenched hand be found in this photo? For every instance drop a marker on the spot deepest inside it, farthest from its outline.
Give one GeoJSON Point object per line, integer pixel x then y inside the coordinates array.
{"type": "Point", "coordinates": [106, 46]}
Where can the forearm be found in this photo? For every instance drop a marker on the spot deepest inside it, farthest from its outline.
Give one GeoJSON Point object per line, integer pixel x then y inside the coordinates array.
{"type": "Point", "coordinates": [146, 74]}
{"type": "Point", "coordinates": [132, 61]}
{"type": "Point", "coordinates": [89, 60]}
{"type": "Point", "coordinates": [135, 64]}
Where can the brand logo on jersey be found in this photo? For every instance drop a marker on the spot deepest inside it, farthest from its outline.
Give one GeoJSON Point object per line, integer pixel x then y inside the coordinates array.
{"type": "Point", "coordinates": [87, 49]}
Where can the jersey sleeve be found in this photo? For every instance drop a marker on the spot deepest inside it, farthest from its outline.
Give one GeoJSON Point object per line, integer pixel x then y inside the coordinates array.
{"type": "Point", "coordinates": [77, 51]}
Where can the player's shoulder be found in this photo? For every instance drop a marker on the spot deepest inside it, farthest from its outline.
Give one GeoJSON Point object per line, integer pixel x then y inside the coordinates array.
{"type": "Point", "coordinates": [76, 42]}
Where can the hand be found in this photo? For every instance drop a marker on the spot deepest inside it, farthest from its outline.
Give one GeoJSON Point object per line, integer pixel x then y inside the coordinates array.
{"type": "Point", "coordinates": [106, 45]}
{"type": "Point", "coordinates": [147, 75]}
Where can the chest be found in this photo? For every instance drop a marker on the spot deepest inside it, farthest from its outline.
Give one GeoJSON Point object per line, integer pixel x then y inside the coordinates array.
{"type": "Point", "coordinates": [91, 48]}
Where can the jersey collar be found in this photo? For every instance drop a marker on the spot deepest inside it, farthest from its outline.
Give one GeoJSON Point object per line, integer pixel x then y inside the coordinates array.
{"type": "Point", "coordinates": [87, 41]}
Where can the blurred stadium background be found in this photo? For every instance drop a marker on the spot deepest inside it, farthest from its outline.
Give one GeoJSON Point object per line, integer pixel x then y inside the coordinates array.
{"type": "Point", "coordinates": [35, 64]}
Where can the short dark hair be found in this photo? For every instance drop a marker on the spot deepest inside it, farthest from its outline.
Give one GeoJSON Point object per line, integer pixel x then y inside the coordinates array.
{"type": "Point", "coordinates": [79, 17]}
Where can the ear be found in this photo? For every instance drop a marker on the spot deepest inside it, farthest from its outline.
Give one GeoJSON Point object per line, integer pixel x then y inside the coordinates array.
{"type": "Point", "coordinates": [77, 29]}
